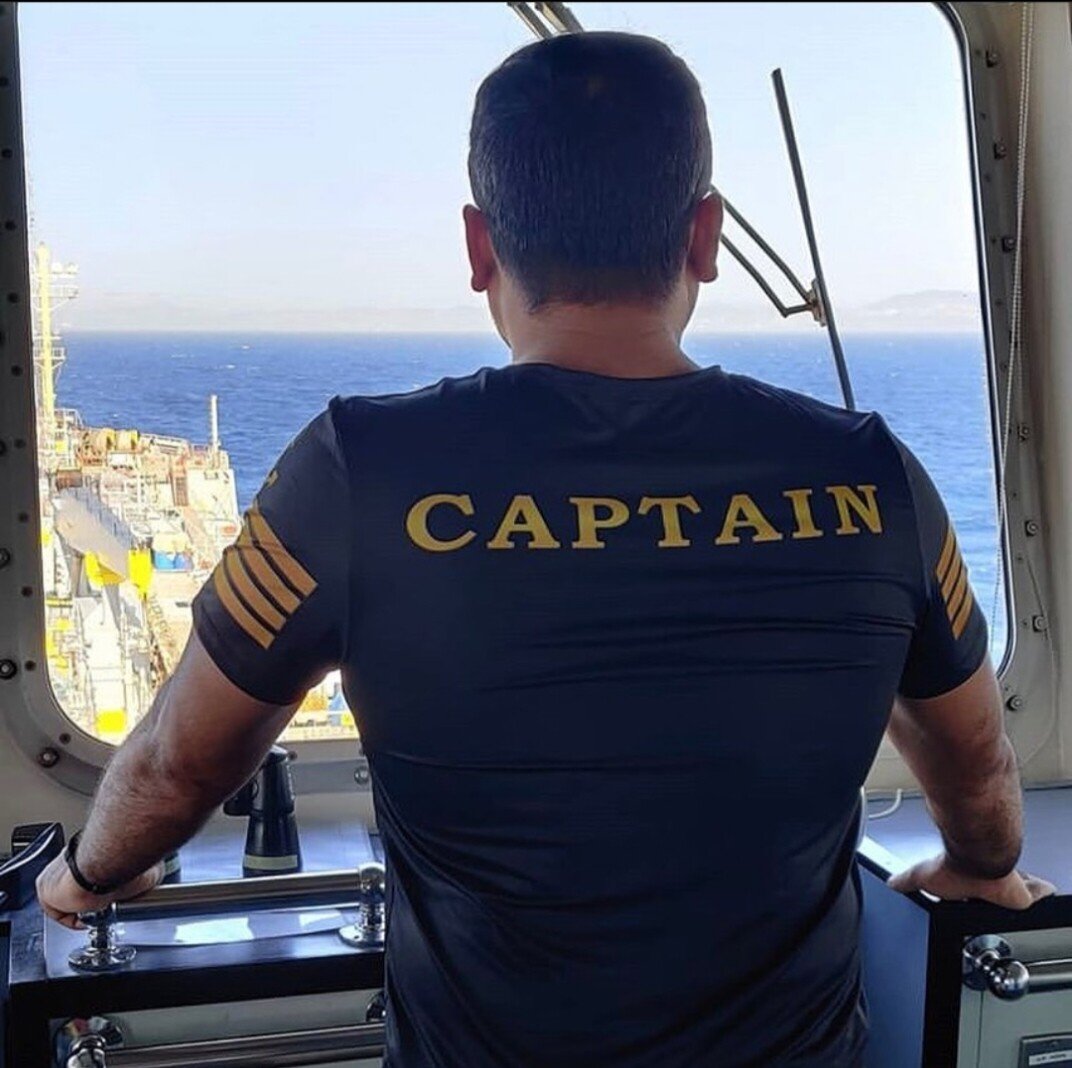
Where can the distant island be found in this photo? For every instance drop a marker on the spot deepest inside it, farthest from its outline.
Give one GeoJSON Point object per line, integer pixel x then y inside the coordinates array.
{"type": "Point", "coordinates": [934, 310]}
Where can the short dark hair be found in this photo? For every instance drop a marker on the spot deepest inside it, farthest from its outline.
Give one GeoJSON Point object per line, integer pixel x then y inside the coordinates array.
{"type": "Point", "coordinates": [588, 155]}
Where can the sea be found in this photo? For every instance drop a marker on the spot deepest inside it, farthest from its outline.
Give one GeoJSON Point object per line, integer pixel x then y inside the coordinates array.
{"type": "Point", "coordinates": [932, 390]}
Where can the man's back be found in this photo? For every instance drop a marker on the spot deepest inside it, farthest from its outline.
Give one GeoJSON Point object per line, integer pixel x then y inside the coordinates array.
{"type": "Point", "coordinates": [621, 635]}
{"type": "Point", "coordinates": [621, 653]}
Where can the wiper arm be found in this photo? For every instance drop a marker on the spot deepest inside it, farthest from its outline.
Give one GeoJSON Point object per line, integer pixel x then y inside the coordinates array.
{"type": "Point", "coordinates": [531, 19]}
{"type": "Point", "coordinates": [806, 295]}
{"type": "Point", "coordinates": [824, 310]}
{"type": "Point", "coordinates": [548, 19]}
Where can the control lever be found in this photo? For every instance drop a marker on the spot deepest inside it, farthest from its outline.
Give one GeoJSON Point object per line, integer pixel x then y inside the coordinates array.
{"type": "Point", "coordinates": [272, 846]}
{"type": "Point", "coordinates": [30, 856]}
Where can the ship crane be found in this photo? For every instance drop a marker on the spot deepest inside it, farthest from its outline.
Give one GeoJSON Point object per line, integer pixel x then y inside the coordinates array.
{"type": "Point", "coordinates": [128, 523]}
{"type": "Point", "coordinates": [54, 285]}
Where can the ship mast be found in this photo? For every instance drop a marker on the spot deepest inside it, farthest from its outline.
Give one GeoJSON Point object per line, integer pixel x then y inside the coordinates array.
{"type": "Point", "coordinates": [214, 427]}
{"type": "Point", "coordinates": [45, 361]}
{"type": "Point", "coordinates": [53, 286]}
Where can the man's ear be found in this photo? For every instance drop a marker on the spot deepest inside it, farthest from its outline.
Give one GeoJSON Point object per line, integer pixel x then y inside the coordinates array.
{"type": "Point", "coordinates": [482, 260]}
{"type": "Point", "coordinates": [702, 258]}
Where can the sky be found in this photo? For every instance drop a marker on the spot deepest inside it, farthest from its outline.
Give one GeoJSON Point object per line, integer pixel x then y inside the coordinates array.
{"type": "Point", "coordinates": [214, 166]}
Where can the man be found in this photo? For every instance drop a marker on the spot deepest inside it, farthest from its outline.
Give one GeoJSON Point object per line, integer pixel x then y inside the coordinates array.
{"type": "Point", "coordinates": [622, 635]}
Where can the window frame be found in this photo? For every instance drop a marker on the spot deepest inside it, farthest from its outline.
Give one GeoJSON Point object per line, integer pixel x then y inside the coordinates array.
{"type": "Point", "coordinates": [1026, 669]}
{"type": "Point", "coordinates": [28, 706]}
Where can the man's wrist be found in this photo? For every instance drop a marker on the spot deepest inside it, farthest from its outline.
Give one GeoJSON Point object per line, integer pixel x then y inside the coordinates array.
{"type": "Point", "coordinates": [85, 882]}
{"type": "Point", "coordinates": [992, 868]}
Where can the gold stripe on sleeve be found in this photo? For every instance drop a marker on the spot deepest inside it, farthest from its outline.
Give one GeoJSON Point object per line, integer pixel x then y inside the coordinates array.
{"type": "Point", "coordinates": [955, 601]}
{"type": "Point", "coordinates": [288, 567]}
{"type": "Point", "coordinates": [248, 591]}
{"type": "Point", "coordinates": [952, 577]}
{"type": "Point", "coordinates": [963, 615]}
{"type": "Point", "coordinates": [237, 611]}
{"type": "Point", "coordinates": [257, 564]}
{"type": "Point", "coordinates": [948, 550]}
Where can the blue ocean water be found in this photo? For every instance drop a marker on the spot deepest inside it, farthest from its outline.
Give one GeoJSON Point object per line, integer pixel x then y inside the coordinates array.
{"type": "Point", "coordinates": [931, 389]}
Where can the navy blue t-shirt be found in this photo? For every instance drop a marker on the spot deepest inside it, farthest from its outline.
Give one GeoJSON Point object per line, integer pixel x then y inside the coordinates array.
{"type": "Point", "coordinates": [621, 653]}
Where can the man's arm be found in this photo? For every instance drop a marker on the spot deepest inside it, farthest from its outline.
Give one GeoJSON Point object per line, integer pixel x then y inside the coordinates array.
{"type": "Point", "coordinates": [202, 739]}
{"type": "Point", "coordinates": [948, 725]}
{"type": "Point", "coordinates": [269, 622]}
{"type": "Point", "coordinates": [957, 748]}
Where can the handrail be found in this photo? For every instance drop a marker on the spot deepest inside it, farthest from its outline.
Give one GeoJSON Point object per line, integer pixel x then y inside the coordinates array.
{"type": "Point", "coordinates": [287, 1049]}
{"type": "Point", "coordinates": [315, 889]}
{"type": "Point", "coordinates": [364, 888]}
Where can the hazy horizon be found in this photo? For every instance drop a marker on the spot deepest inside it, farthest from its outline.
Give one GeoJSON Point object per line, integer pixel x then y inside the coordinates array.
{"type": "Point", "coordinates": [209, 171]}
{"type": "Point", "coordinates": [936, 312]}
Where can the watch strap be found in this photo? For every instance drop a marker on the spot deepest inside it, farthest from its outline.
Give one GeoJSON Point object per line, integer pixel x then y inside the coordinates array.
{"type": "Point", "coordinates": [69, 855]}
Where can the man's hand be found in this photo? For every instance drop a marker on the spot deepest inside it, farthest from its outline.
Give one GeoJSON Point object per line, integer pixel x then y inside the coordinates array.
{"type": "Point", "coordinates": [63, 899]}
{"type": "Point", "coordinates": [201, 740]}
{"type": "Point", "coordinates": [939, 877]}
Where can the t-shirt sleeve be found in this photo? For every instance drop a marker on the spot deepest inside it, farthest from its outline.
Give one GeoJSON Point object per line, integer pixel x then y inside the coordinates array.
{"type": "Point", "coordinates": [950, 639]}
{"type": "Point", "coordinates": [272, 615]}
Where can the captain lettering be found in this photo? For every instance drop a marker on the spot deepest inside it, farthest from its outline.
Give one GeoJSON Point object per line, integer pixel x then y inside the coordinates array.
{"type": "Point", "coordinates": [447, 522]}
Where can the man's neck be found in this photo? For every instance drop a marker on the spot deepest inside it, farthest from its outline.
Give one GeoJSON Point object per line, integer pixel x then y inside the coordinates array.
{"type": "Point", "coordinates": [625, 342]}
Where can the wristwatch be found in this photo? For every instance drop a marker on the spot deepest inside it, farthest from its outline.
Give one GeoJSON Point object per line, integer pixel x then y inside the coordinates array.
{"type": "Point", "coordinates": [98, 889]}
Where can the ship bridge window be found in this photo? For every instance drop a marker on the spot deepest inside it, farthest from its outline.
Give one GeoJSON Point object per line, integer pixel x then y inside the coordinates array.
{"type": "Point", "coordinates": [241, 210]}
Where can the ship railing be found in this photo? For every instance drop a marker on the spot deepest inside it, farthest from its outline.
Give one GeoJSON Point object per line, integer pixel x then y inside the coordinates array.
{"type": "Point", "coordinates": [85, 682]}
{"type": "Point", "coordinates": [132, 496]}
{"type": "Point", "coordinates": [207, 551]}
{"type": "Point", "coordinates": [205, 456]}
{"type": "Point", "coordinates": [164, 443]}
{"type": "Point", "coordinates": [319, 732]}
{"type": "Point", "coordinates": [102, 512]}
{"type": "Point", "coordinates": [66, 433]}
{"type": "Point", "coordinates": [70, 418]}
{"type": "Point", "coordinates": [161, 636]}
